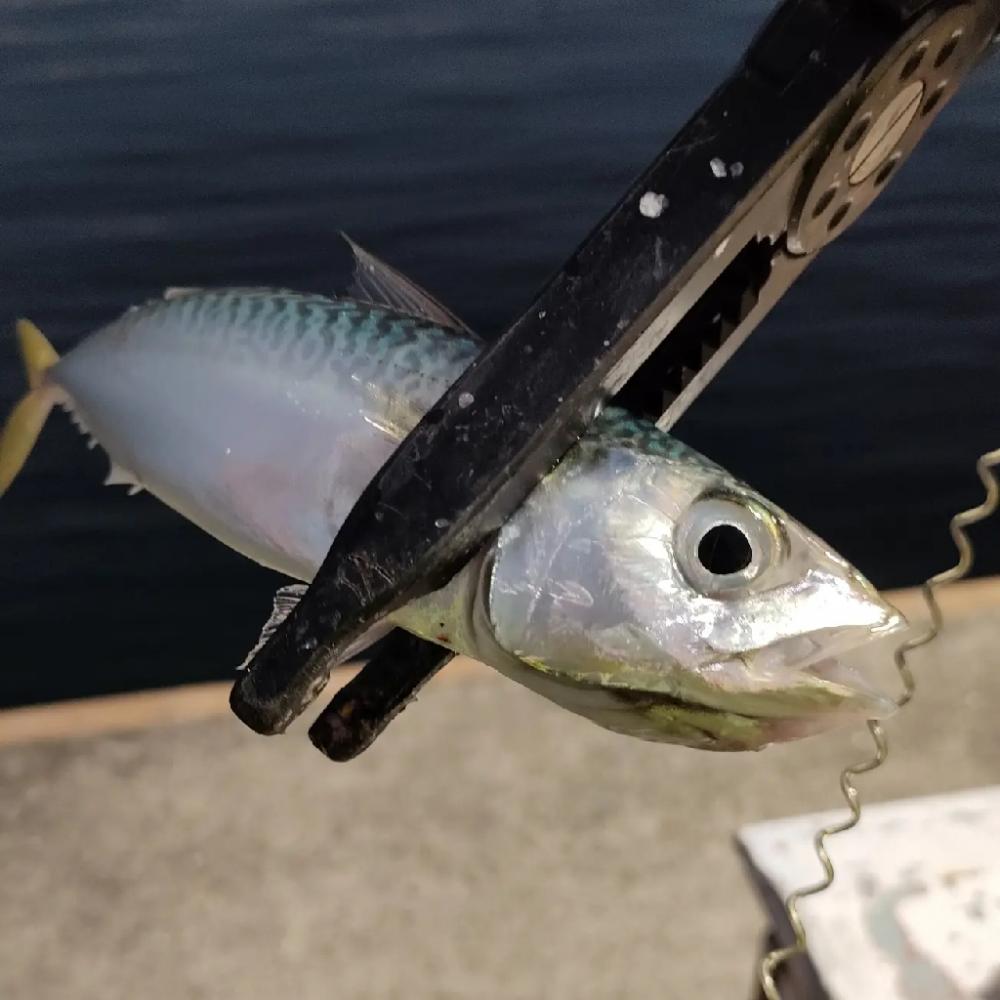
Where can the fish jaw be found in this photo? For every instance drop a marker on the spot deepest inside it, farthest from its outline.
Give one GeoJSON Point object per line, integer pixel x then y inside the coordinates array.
{"type": "Point", "coordinates": [792, 685]}
{"type": "Point", "coordinates": [802, 685]}
{"type": "Point", "coordinates": [813, 671]}
{"type": "Point", "coordinates": [790, 689]}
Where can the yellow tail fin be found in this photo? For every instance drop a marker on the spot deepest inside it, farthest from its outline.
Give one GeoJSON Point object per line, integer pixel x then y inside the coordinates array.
{"type": "Point", "coordinates": [25, 423]}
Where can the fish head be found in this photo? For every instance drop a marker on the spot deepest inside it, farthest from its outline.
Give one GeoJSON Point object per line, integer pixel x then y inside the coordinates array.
{"type": "Point", "coordinates": [645, 587]}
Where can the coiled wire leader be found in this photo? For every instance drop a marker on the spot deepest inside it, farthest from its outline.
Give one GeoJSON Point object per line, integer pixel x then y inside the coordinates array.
{"type": "Point", "coordinates": [958, 527]}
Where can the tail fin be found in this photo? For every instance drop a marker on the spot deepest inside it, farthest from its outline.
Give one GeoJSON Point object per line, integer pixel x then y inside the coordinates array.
{"type": "Point", "coordinates": [25, 423]}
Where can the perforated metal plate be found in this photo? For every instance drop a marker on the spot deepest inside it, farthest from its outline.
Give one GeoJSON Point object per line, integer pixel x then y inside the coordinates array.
{"type": "Point", "coordinates": [898, 104]}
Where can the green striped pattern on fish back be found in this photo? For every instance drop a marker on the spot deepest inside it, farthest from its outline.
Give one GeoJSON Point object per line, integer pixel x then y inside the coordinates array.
{"type": "Point", "coordinates": [306, 335]}
{"type": "Point", "coordinates": [616, 427]}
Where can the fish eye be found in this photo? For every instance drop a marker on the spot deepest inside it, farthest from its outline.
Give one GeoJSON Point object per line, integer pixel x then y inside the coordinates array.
{"type": "Point", "coordinates": [726, 543]}
{"type": "Point", "coordinates": [724, 549]}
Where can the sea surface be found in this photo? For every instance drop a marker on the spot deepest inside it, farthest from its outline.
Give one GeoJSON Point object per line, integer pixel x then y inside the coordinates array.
{"type": "Point", "coordinates": [472, 144]}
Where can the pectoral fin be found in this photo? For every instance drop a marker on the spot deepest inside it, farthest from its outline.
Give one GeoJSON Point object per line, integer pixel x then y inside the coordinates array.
{"type": "Point", "coordinates": [285, 600]}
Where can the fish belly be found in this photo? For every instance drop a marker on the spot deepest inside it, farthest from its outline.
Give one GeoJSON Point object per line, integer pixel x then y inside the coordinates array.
{"type": "Point", "coordinates": [269, 466]}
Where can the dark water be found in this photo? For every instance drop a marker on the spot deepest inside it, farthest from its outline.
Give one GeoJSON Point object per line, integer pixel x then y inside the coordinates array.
{"type": "Point", "coordinates": [473, 144]}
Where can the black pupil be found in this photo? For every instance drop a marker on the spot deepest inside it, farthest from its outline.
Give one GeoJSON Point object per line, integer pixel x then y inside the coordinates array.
{"type": "Point", "coordinates": [724, 549]}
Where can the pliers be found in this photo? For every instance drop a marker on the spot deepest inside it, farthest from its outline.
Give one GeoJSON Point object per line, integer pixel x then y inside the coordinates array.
{"type": "Point", "coordinates": [829, 99]}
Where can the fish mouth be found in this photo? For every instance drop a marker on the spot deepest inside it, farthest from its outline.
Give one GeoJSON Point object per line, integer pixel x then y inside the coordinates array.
{"type": "Point", "coordinates": [810, 681]}
{"type": "Point", "coordinates": [789, 689]}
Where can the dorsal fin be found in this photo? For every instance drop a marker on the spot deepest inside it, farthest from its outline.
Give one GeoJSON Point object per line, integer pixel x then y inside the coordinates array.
{"type": "Point", "coordinates": [376, 282]}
